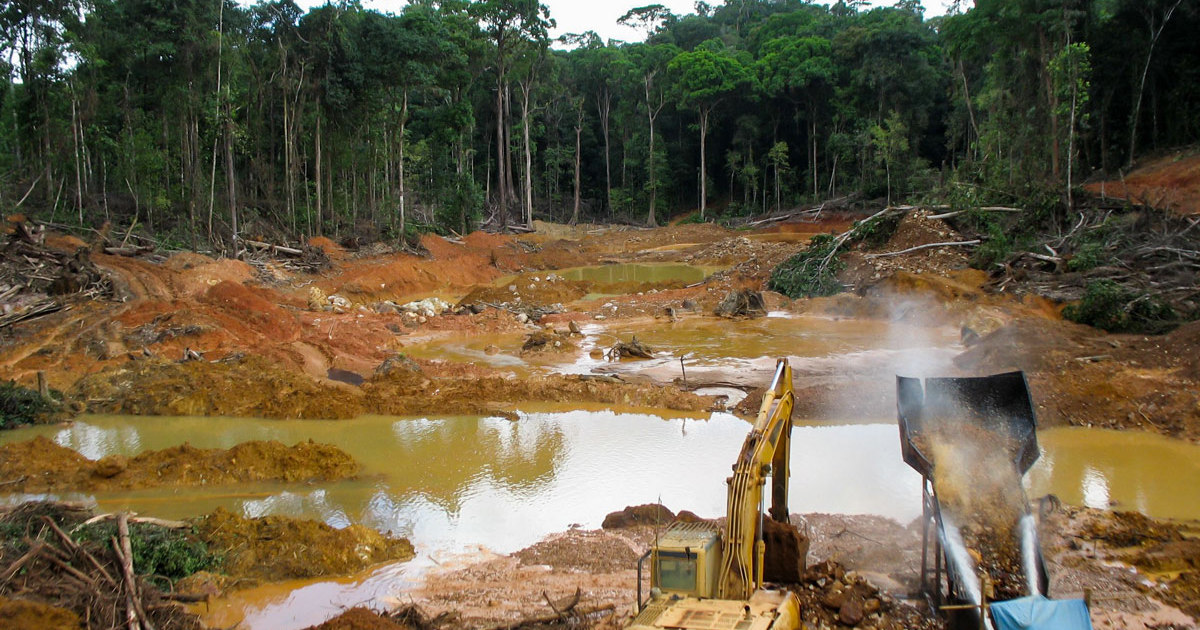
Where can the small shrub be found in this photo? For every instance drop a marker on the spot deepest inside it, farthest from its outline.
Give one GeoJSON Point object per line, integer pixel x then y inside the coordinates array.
{"type": "Point", "coordinates": [1110, 306]}
{"type": "Point", "coordinates": [1090, 255]}
{"type": "Point", "coordinates": [21, 405]}
{"type": "Point", "coordinates": [996, 248]}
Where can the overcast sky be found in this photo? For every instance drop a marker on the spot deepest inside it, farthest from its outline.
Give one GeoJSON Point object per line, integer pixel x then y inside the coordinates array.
{"type": "Point", "coordinates": [578, 16]}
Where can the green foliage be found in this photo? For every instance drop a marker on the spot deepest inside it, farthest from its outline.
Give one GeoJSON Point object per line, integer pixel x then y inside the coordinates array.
{"type": "Point", "coordinates": [995, 249]}
{"type": "Point", "coordinates": [805, 275]}
{"type": "Point", "coordinates": [21, 405]}
{"type": "Point", "coordinates": [877, 231]}
{"type": "Point", "coordinates": [157, 550]}
{"type": "Point", "coordinates": [123, 110]}
{"type": "Point", "coordinates": [1088, 255]}
{"type": "Point", "coordinates": [813, 272]}
{"type": "Point", "coordinates": [1109, 306]}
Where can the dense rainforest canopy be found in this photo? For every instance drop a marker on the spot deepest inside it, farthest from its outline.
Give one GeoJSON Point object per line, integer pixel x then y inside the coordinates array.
{"type": "Point", "coordinates": [204, 120]}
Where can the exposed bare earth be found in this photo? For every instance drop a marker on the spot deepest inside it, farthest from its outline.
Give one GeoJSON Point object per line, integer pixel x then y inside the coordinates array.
{"type": "Point", "coordinates": [190, 335]}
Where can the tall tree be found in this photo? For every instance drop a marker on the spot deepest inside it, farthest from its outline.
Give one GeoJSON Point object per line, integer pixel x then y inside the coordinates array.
{"type": "Point", "coordinates": [703, 79]}
{"type": "Point", "coordinates": [508, 23]}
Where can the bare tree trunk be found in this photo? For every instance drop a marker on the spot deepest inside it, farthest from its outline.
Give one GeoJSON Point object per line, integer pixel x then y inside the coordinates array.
{"type": "Point", "coordinates": [230, 178]}
{"type": "Point", "coordinates": [1053, 102]}
{"type": "Point", "coordinates": [578, 158]}
{"type": "Point", "coordinates": [526, 88]}
{"type": "Point", "coordinates": [510, 188]}
{"type": "Point", "coordinates": [78, 169]}
{"type": "Point", "coordinates": [400, 164]}
{"type": "Point", "coordinates": [501, 196]}
{"type": "Point", "coordinates": [812, 135]}
{"type": "Point", "coordinates": [604, 104]}
{"type": "Point", "coordinates": [320, 180]}
{"type": "Point", "coordinates": [704, 113]}
{"type": "Point", "coordinates": [212, 180]}
{"type": "Point", "coordinates": [1137, 103]}
{"type": "Point", "coordinates": [652, 113]}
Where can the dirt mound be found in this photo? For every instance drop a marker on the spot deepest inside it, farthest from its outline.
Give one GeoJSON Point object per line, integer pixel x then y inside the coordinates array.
{"type": "Point", "coordinates": [40, 465]}
{"type": "Point", "coordinates": [359, 618]}
{"type": "Point", "coordinates": [251, 387]}
{"type": "Point", "coordinates": [196, 273]}
{"type": "Point", "coordinates": [280, 548]}
{"type": "Point", "coordinates": [254, 308]}
{"type": "Point", "coordinates": [590, 552]}
{"type": "Point", "coordinates": [869, 264]}
{"type": "Point", "coordinates": [255, 387]}
{"type": "Point", "coordinates": [1170, 182]}
{"type": "Point", "coordinates": [331, 249]}
{"type": "Point", "coordinates": [21, 614]}
{"type": "Point", "coordinates": [1084, 377]}
{"type": "Point", "coordinates": [410, 394]}
{"type": "Point", "coordinates": [653, 514]}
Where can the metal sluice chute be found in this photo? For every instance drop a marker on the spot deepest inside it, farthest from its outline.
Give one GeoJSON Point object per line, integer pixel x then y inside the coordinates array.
{"type": "Point", "coordinates": [998, 404]}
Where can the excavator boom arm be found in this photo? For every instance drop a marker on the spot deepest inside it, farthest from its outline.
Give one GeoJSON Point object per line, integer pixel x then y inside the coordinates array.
{"type": "Point", "coordinates": [766, 451]}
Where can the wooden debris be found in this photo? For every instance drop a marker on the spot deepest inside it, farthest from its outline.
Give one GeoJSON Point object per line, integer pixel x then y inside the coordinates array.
{"type": "Point", "coordinates": [925, 246]}
{"type": "Point", "coordinates": [634, 348]}
{"type": "Point", "coordinates": [742, 303]}
{"type": "Point", "coordinates": [96, 581]}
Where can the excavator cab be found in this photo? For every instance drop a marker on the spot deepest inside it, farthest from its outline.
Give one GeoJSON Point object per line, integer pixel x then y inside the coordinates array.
{"type": "Point", "coordinates": [686, 559]}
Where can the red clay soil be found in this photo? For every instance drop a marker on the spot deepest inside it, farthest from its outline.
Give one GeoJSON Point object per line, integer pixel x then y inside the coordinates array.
{"type": "Point", "coordinates": [1171, 181]}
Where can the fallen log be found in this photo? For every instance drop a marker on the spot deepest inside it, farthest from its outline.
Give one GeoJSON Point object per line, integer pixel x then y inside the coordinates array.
{"type": "Point", "coordinates": [948, 215]}
{"type": "Point", "coordinates": [279, 249]}
{"type": "Point", "coordinates": [926, 246]}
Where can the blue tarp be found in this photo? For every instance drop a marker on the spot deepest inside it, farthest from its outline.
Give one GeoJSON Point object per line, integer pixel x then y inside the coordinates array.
{"type": "Point", "coordinates": [1038, 613]}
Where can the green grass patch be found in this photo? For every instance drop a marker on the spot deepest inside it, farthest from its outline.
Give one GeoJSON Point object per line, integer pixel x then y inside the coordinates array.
{"type": "Point", "coordinates": [157, 550]}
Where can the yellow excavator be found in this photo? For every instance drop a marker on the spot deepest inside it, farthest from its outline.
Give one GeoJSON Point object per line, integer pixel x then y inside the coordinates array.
{"type": "Point", "coordinates": [704, 577]}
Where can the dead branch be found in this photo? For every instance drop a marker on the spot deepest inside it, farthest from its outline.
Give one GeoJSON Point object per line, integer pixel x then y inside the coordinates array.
{"type": "Point", "coordinates": [135, 616]}
{"type": "Point", "coordinates": [279, 249]}
{"type": "Point", "coordinates": [549, 619]}
{"type": "Point", "coordinates": [27, 192]}
{"type": "Point", "coordinates": [948, 215]}
{"type": "Point", "coordinates": [36, 310]}
{"type": "Point", "coordinates": [926, 246]}
{"type": "Point", "coordinates": [12, 569]}
{"type": "Point", "coordinates": [139, 519]}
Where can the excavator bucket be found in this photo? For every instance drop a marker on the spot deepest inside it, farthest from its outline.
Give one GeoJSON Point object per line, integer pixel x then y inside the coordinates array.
{"type": "Point", "coordinates": [786, 552]}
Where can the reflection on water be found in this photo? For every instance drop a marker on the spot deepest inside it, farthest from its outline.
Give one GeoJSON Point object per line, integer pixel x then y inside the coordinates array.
{"type": "Point", "coordinates": [814, 344]}
{"type": "Point", "coordinates": [1124, 470]}
{"type": "Point", "coordinates": [454, 483]}
{"type": "Point", "coordinates": [457, 485]}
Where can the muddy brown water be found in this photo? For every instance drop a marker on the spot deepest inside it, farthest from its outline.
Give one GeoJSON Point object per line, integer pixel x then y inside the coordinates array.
{"type": "Point", "coordinates": [639, 272]}
{"type": "Point", "coordinates": [458, 486]}
{"type": "Point", "coordinates": [814, 344]}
